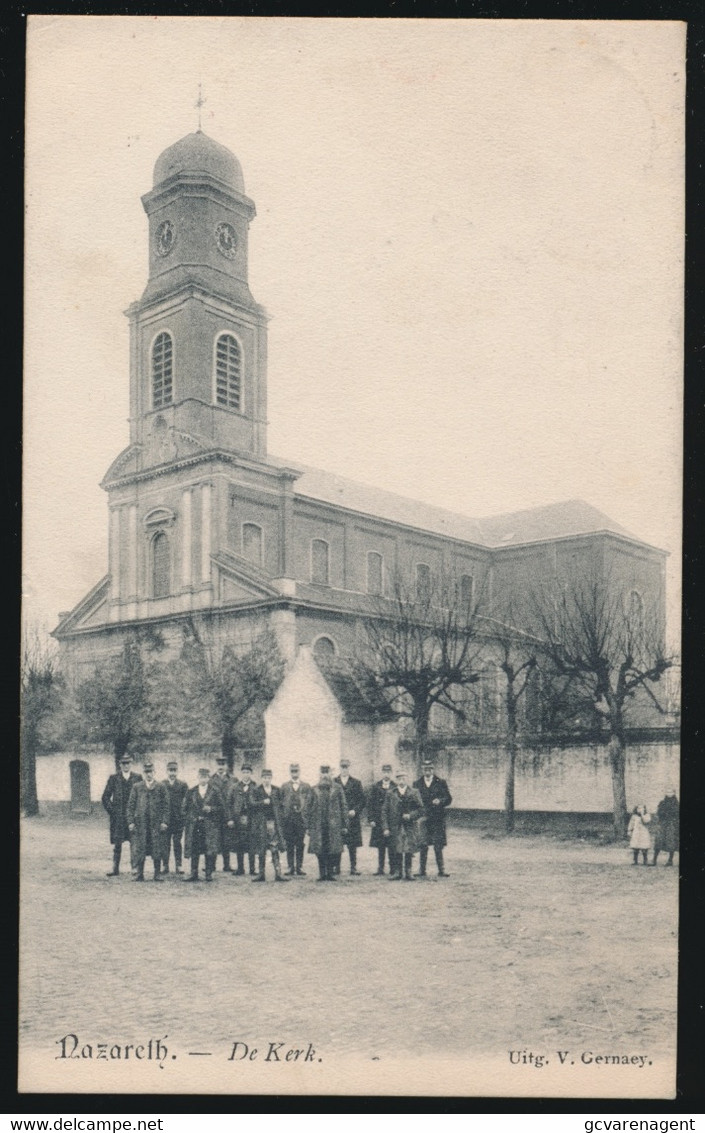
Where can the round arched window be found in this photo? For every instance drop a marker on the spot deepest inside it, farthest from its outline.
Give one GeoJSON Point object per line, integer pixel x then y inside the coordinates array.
{"type": "Point", "coordinates": [324, 648]}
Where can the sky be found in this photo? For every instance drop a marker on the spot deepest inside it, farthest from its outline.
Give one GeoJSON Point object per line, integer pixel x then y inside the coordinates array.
{"type": "Point", "coordinates": [469, 241]}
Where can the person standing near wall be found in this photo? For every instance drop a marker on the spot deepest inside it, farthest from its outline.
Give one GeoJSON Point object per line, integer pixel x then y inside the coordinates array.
{"type": "Point", "coordinates": [224, 782]}
{"type": "Point", "coordinates": [267, 834]}
{"type": "Point", "coordinates": [148, 821]}
{"type": "Point", "coordinates": [115, 799]}
{"type": "Point", "coordinates": [435, 797]}
{"type": "Point", "coordinates": [375, 803]}
{"type": "Point", "coordinates": [295, 797]}
{"type": "Point", "coordinates": [242, 811]}
{"type": "Point", "coordinates": [355, 804]}
{"type": "Point", "coordinates": [202, 819]}
{"type": "Point", "coordinates": [667, 826]}
{"type": "Point", "coordinates": [326, 823]}
{"type": "Point", "coordinates": [639, 836]}
{"type": "Point", "coordinates": [176, 791]}
{"type": "Point", "coordinates": [401, 814]}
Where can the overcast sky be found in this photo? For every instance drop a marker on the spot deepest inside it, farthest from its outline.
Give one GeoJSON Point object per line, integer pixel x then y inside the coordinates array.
{"type": "Point", "coordinates": [468, 238]}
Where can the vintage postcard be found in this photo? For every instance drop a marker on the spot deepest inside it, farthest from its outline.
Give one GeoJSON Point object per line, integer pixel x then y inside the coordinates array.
{"type": "Point", "coordinates": [353, 398]}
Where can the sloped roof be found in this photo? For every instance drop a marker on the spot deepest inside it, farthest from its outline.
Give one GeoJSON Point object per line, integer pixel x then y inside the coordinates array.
{"type": "Point", "coordinates": [552, 521]}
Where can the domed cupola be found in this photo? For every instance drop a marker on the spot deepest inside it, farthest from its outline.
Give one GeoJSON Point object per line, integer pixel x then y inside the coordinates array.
{"type": "Point", "coordinates": [199, 155]}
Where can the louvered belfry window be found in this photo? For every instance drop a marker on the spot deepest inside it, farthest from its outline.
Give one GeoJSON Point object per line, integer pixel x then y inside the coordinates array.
{"type": "Point", "coordinates": [228, 372]}
{"type": "Point", "coordinates": [162, 370]}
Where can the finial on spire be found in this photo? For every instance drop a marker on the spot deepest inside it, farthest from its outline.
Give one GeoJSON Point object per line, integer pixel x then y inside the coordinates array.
{"type": "Point", "coordinates": [198, 104]}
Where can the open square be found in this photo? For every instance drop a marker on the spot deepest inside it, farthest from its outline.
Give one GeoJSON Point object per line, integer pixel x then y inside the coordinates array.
{"type": "Point", "coordinates": [533, 945]}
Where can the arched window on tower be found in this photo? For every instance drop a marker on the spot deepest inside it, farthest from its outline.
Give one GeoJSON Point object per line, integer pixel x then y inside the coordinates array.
{"type": "Point", "coordinates": [319, 561]}
{"type": "Point", "coordinates": [228, 372]}
{"type": "Point", "coordinates": [252, 543]}
{"type": "Point", "coordinates": [162, 370]}
{"type": "Point", "coordinates": [161, 566]}
{"type": "Point", "coordinates": [324, 648]}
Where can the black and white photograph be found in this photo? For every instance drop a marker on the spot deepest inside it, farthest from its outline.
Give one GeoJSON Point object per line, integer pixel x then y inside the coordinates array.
{"type": "Point", "coordinates": [351, 557]}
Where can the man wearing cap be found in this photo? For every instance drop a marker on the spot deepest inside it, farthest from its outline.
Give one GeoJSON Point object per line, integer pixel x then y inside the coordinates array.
{"type": "Point", "coordinates": [115, 798]}
{"type": "Point", "coordinates": [295, 797]}
{"type": "Point", "coordinates": [436, 797]}
{"type": "Point", "coordinates": [241, 813]}
{"type": "Point", "coordinates": [202, 812]}
{"type": "Point", "coordinates": [401, 813]}
{"type": "Point", "coordinates": [355, 804]}
{"type": "Point", "coordinates": [375, 802]}
{"type": "Point", "coordinates": [176, 791]}
{"type": "Point", "coordinates": [267, 833]}
{"type": "Point", "coordinates": [148, 821]}
{"type": "Point", "coordinates": [326, 821]}
{"type": "Point", "coordinates": [223, 781]}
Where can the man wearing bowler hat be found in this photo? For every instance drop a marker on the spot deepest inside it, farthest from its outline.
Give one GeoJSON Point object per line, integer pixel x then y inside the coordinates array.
{"type": "Point", "coordinates": [295, 797]}
{"type": "Point", "coordinates": [115, 798]}
{"type": "Point", "coordinates": [148, 821]}
{"type": "Point", "coordinates": [375, 802]}
{"type": "Point", "coordinates": [435, 797]}
{"type": "Point", "coordinates": [176, 791]}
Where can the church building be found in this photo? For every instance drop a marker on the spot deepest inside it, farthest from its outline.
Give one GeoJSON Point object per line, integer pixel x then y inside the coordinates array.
{"type": "Point", "coordinates": [202, 518]}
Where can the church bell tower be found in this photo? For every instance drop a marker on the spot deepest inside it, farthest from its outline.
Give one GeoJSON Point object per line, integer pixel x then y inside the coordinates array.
{"type": "Point", "coordinates": [198, 338]}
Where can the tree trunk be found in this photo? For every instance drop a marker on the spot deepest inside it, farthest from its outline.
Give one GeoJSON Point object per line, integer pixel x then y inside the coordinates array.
{"type": "Point", "coordinates": [421, 721]}
{"type": "Point", "coordinates": [617, 756]}
{"type": "Point", "coordinates": [511, 748]}
{"type": "Point", "coordinates": [227, 747]}
{"type": "Point", "coordinates": [28, 779]}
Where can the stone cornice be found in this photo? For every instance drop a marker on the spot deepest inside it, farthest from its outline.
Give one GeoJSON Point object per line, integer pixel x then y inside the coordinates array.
{"type": "Point", "coordinates": [212, 456]}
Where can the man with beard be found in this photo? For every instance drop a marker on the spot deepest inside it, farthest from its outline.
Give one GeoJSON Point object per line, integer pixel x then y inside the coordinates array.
{"type": "Point", "coordinates": [176, 791]}
{"type": "Point", "coordinates": [115, 799]}
{"type": "Point", "coordinates": [267, 834]}
{"type": "Point", "coordinates": [355, 804]}
{"type": "Point", "coordinates": [295, 797]}
{"type": "Point", "coordinates": [202, 817]}
{"type": "Point", "coordinates": [375, 802]}
{"type": "Point", "coordinates": [435, 797]}
{"type": "Point", "coordinates": [148, 821]}
{"type": "Point", "coordinates": [401, 813]}
{"type": "Point", "coordinates": [326, 823]}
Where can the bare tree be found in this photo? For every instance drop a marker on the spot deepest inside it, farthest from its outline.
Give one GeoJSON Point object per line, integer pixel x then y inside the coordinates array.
{"type": "Point", "coordinates": [609, 646]}
{"type": "Point", "coordinates": [118, 706]}
{"type": "Point", "coordinates": [515, 655]}
{"type": "Point", "coordinates": [40, 692]}
{"type": "Point", "coordinates": [421, 648]}
{"type": "Point", "coordinates": [218, 691]}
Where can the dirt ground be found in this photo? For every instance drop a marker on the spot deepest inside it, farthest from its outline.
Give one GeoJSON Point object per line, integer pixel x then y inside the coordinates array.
{"type": "Point", "coordinates": [532, 943]}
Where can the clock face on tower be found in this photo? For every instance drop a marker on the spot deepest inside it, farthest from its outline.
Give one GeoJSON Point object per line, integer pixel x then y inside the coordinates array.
{"type": "Point", "coordinates": [165, 238]}
{"type": "Point", "coordinates": [226, 239]}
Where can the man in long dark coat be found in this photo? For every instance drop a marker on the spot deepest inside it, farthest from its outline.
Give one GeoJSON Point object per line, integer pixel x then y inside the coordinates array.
{"type": "Point", "coordinates": [401, 816]}
{"type": "Point", "coordinates": [375, 802]}
{"type": "Point", "coordinates": [224, 782]}
{"type": "Point", "coordinates": [176, 790]}
{"type": "Point", "coordinates": [267, 833]}
{"type": "Point", "coordinates": [115, 798]}
{"type": "Point", "coordinates": [242, 801]}
{"type": "Point", "coordinates": [326, 824]}
{"type": "Point", "coordinates": [436, 797]}
{"type": "Point", "coordinates": [202, 814]}
{"type": "Point", "coordinates": [667, 826]}
{"type": "Point", "coordinates": [148, 821]}
{"type": "Point", "coordinates": [295, 796]}
{"type": "Point", "coordinates": [355, 804]}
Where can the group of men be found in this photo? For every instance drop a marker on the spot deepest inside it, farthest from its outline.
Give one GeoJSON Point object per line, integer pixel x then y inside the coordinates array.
{"type": "Point", "coordinates": [231, 817]}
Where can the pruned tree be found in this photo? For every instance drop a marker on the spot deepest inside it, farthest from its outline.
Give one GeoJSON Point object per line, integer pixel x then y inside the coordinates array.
{"type": "Point", "coordinates": [218, 691]}
{"type": "Point", "coordinates": [421, 648]}
{"type": "Point", "coordinates": [609, 647]}
{"type": "Point", "coordinates": [41, 688]}
{"type": "Point", "coordinates": [514, 653]}
{"type": "Point", "coordinates": [118, 706]}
